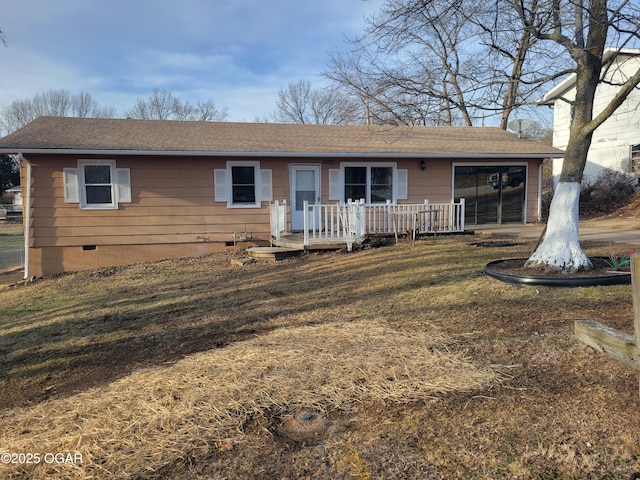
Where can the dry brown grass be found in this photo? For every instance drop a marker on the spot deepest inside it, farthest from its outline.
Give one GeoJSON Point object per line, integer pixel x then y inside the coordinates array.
{"type": "Point", "coordinates": [187, 369]}
{"type": "Point", "coordinates": [153, 418]}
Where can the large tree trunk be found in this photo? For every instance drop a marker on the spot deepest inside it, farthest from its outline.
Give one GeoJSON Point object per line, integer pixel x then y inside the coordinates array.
{"type": "Point", "coordinates": [560, 247]}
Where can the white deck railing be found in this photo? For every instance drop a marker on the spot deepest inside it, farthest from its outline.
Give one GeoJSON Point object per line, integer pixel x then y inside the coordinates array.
{"type": "Point", "coordinates": [350, 223]}
{"type": "Point", "coordinates": [278, 218]}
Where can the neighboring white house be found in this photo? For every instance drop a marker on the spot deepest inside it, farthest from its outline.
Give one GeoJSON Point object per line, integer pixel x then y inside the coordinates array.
{"type": "Point", "coordinates": [616, 143]}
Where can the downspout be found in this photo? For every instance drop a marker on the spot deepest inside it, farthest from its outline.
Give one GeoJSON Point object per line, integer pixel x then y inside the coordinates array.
{"type": "Point", "coordinates": [26, 215]}
{"type": "Point", "coordinates": [540, 173]}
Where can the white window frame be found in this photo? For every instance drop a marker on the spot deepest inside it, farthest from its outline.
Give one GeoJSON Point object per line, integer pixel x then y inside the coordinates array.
{"type": "Point", "coordinates": [634, 155]}
{"type": "Point", "coordinates": [84, 205]}
{"type": "Point", "coordinates": [257, 182]}
{"type": "Point", "coordinates": [501, 164]}
{"type": "Point", "coordinates": [368, 166]}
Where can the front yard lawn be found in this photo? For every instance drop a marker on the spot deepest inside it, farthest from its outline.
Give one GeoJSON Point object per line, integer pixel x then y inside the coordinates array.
{"type": "Point", "coordinates": [395, 362]}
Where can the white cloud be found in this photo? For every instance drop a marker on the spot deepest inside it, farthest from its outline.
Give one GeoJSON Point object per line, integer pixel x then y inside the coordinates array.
{"type": "Point", "coordinates": [238, 53]}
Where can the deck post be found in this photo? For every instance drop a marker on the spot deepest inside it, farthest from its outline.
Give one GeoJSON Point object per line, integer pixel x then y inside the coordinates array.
{"type": "Point", "coordinates": [305, 224]}
{"type": "Point", "coordinates": [635, 293]}
{"type": "Point", "coordinates": [617, 344]}
{"type": "Point", "coordinates": [274, 221]}
{"type": "Point", "coordinates": [427, 227]}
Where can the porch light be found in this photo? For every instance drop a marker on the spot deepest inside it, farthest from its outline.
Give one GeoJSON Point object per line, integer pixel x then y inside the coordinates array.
{"type": "Point", "coordinates": [422, 165]}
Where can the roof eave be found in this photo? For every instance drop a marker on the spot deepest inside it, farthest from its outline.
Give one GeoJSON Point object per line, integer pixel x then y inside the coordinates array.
{"type": "Point", "coordinates": [568, 83]}
{"type": "Point", "coordinates": [191, 153]}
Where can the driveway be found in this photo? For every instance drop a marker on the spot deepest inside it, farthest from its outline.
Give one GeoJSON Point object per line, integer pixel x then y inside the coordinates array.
{"type": "Point", "coordinates": [610, 230]}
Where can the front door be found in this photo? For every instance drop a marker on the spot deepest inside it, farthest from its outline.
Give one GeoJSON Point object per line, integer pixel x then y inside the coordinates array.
{"type": "Point", "coordinates": [305, 185]}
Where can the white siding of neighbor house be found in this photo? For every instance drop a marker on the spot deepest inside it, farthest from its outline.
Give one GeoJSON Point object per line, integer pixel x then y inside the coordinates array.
{"type": "Point", "coordinates": [612, 141]}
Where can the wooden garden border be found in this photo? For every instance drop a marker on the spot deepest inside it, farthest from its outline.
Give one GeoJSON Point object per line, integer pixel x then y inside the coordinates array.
{"type": "Point", "coordinates": [621, 346]}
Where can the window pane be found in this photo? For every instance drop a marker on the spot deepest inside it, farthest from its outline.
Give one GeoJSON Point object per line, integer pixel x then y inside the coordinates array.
{"type": "Point", "coordinates": [305, 180]}
{"type": "Point", "coordinates": [381, 175]}
{"type": "Point", "coordinates": [242, 175]}
{"type": "Point", "coordinates": [101, 194]}
{"type": "Point", "coordinates": [635, 158]}
{"type": "Point", "coordinates": [380, 193]}
{"type": "Point", "coordinates": [355, 192]}
{"type": "Point", "coordinates": [243, 184]}
{"type": "Point", "coordinates": [381, 184]}
{"type": "Point", "coordinates": [355, 183]}
{"type": "Point", "coordinates": [302, 195]}
{"type": "Point", "coordinates": [97, 174]}
{"type": "Point", "coordinates": [244, 194]}
{"type": "Point", "coordinates": [355, 175]}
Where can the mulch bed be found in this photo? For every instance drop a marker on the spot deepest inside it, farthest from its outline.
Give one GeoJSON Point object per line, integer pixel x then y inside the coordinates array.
{"type": "Point", "coordinates": [515, 266]}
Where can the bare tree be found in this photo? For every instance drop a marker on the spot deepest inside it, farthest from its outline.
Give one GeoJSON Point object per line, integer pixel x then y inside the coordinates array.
{"type": "Point", "coordinates": [53, 103]}
{"type": "Point", "coordinates": [443, 62]}
{"type": "Point", "coordinates": [84, 105]}
{"type": "Point", "coordinates": [163, 105]}
{"type": "Point", "coordinates": [2, 38]}
{"type": "Point", "coordinates": [388, 95]}
{"type": "Point", "coordinates": [583, 29]}
{"type": "Point", "coordinates": [300, 103]}
{"type": "Point", "coordinates": [159, 106]}
{"type": "Point", "coordinates": [208, 112]}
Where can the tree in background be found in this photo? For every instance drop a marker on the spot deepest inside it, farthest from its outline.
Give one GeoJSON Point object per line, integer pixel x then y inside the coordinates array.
{"type": "Point", "coordinates": [163, 105]}
{"type": "Point", "coordinates": [300, 103]}
{"type": "Point", "coordinates": [83, 105]}
{"type": "Point", "coordinates": [444, 62]}
{"type": "Point", "coordinates": [53, 103]}
{"type": "Point", "coordinates": [9, 172]}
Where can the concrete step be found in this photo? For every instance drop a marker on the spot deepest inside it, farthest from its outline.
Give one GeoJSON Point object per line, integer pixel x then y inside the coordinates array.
{"type": "Point", "coordinates": [273, 253]}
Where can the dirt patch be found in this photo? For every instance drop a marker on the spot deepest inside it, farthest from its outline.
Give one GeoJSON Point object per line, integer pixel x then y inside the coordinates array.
{"type": "Point", "coordinates": [494, 244]}
{"type": "Point", "coordinates": [306, 427]}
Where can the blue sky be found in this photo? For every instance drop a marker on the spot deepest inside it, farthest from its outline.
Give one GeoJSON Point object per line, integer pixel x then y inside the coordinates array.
{"type": "Point", "coordinates": [238, 53]}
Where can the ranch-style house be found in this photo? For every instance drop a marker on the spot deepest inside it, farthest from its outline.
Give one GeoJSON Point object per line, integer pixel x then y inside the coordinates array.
{"type": "Point", "coordinates": [106, 192]}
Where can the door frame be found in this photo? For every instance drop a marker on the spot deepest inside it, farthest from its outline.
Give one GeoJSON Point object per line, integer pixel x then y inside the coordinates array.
{"type": "Point", "coordinates": [514, 163]}
{"type": "Point", "coordinates": [297, 220]}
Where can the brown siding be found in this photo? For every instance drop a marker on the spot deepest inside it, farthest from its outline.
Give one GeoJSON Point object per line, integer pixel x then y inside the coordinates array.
{"type": "Point", "coordinates": [173, 212]}
{"type": "Point", "coordinates": [172, 202]}
{"type": "Point", "coordinates": [533, 179]}
{"type": "Point", "coordinates": [433, 183]}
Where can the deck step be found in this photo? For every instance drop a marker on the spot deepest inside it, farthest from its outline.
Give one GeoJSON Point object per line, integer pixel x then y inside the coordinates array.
{"type": "Point", "coordinates": [273, 253]}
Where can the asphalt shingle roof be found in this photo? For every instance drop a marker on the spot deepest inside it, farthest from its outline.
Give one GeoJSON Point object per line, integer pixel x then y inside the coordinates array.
{"type": "Point", "coordinates": [158, 136]}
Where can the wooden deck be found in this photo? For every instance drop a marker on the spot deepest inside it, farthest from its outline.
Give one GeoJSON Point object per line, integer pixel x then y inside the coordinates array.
{"type": "Point", "coordinates": [336, 226]}
{"type": "Point", "coordinates": [296, 241]}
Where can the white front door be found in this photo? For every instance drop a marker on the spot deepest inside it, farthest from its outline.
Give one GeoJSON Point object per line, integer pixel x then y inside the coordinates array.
{"type": "Point", "coordinates": [305, 185]}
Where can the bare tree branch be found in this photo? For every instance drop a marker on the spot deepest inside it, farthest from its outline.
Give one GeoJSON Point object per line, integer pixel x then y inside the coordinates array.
{"type": "Point", "coordinates": [300, 103]}
{"type": "Point", "coordinates": [163, 105]}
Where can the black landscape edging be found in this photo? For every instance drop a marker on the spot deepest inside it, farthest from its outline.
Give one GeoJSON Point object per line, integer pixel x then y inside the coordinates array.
{"type": "Point", "coordinates": [617, 279]}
